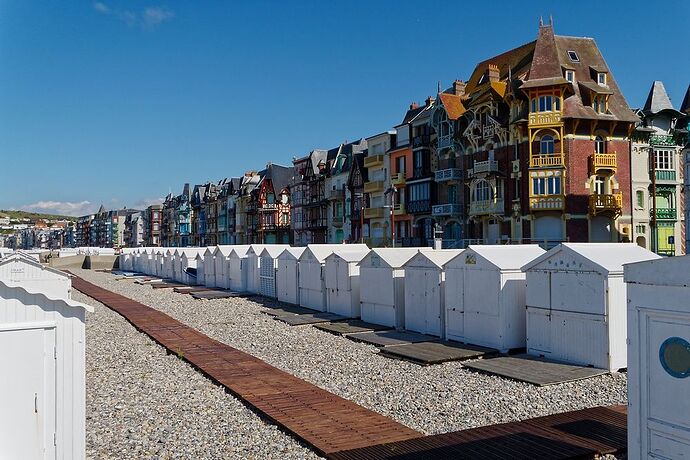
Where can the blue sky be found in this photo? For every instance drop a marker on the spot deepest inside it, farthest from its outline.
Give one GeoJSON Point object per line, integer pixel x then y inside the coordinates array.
{"type": "Point", "coordinates": [118, 102]}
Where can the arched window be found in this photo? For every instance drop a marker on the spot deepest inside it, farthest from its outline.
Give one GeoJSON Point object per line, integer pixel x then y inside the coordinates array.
{"type": "Point", "coordinates": [599, 145]}
{"type": "Point", "coordinates": [546, 145]}
{"type": "Point", "coordinates": [482, 191]}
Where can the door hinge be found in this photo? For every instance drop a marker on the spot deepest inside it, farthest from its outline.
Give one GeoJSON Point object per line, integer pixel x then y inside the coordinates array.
{"type": "Point", "coordinates": [54, 352]}
{"type": "Point", "coordinates": [55, 439]}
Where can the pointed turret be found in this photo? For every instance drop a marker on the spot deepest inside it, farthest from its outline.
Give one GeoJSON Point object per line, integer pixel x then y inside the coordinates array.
{"type": "Point", "coordinates": [685, 105]}
{"type": "Point", "coordinates": [657, 100]}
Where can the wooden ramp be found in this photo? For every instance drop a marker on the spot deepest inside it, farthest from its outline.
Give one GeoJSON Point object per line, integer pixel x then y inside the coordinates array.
{"type": "Point", "coordinates": [535, 370]}
{"type": "Point", "coordinates": [350, 326]}
{"type": "Point", "coordinates": [309, 318]}
{"type": "Point", "coordinates": [580, 434]}
{"type": "Point", "coordinates": [388, 338]}
{"type": "Point", "coordinates": [321, 419]}
{"type": "Point", "coordinates": [427, 353]}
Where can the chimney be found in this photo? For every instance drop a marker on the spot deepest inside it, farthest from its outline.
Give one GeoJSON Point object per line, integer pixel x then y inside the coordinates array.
{"type": "Point", "coordinates": [429, 100]}
{"type": "Point", "coordinates": [493, 72]}
{"type": "Point", "coordinates": [459, 87]}
{"type": "Point", "coordinates": [413, 106]}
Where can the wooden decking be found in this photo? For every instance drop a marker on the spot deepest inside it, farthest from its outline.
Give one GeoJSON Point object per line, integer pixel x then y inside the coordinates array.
{"type": "Point", "coordinates": [580, 434]}
{"type": "Point", "coordinates": [321, 419]}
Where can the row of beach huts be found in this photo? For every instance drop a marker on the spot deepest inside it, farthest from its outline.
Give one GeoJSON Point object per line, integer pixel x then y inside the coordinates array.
{"type": "Point", "coordinates": [570, 303]}
{"type": "Point", "coordinates": [566, 304]}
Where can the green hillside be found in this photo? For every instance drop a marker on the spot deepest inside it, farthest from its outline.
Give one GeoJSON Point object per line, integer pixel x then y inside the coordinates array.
{"type": "Point", "coordinates": [33, 216]}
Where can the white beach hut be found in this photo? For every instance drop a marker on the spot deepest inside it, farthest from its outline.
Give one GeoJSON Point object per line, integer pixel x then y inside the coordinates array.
{"type": "Point", "coordinates": [287, 275]}
{"type": "Point", "coordinates": [312, 289]}
{"type": "Point", "coordinates": [237, 268]}
{"type": "Point", "coordinates": [34, 276]}
{"type": "Point", "coordinates": [209, 269]}
{"type": "Point", "coordinates": [254, 265]}
{"type": "Point", "coordinates": [424, 291]}
{"type": "Point", "coordinates": [159, 257]}
{"type": "Point", "coordinates": [124, 259]}
{"type": "Point", "coordinates": [485, 295]}
{"type": "Point", "coordinates": [341, 279]}
{"type": "Point", "coordinates": [576, 303]}
{"type": "Point", "coordinates": [382, 286]}
{"type": "Point", "coordinates": [221, 260]}
{"type": "Point", "coordinates": [151, 260]}
{"type": "Point", "coordinates": [268, 265]}
{"type": "Point", "coordinates": [658, 358]}
{"type": "Point", "coordinates": [42, 391]}
{"type": "Point", "coordinates": [186, 259]}
{"type": "Point", "coordinates": [168, 263]}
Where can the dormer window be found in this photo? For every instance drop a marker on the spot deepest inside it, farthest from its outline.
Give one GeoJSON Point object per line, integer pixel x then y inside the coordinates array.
{"type": "Point", "coordinates": [601, 78]}
{"type": "Point", "coordinates": [599, 103]}
{"type": "Point", "coordinates": [573, 56]}
{"type": "Point", "coordinates": [570, 75]}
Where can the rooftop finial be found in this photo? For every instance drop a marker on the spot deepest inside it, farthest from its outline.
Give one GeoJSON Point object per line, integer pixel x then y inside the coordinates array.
{"type": "Point", "coordinates": [551, 20]}
{"type": "Point", "coordinates": [541, 21]}
{"type": "Point", "coordinates": [438, 87]}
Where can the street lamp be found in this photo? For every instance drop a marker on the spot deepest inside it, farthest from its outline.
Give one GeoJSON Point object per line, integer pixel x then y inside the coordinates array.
{"type": "Point", "coordinates": [392, 191]}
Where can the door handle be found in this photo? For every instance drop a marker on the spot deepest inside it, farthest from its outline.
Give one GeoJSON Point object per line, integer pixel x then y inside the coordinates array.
{"type": "Point", "coordinates": [36, 403]}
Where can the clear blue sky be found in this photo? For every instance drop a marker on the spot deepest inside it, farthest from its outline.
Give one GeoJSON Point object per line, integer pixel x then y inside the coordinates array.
{"type": "Point", "coordinates": [117, 102]}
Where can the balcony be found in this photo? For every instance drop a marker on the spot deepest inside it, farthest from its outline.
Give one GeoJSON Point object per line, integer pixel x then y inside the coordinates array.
{"type": "Point", "coordinates": [547, 203]}
{"type": "Point", "coordinates": [544, 118]}
{"type": "Point", "coordinates": [398, 179]}
{"type": "Point", "coordinates": [483, 167]}
{"type": "Point", "coordinates": [338, 221]}
{"type": "Point", "coordinates": [546, 161]}
{"type": "Point", "coordinates": [373, 161]}
{"type": "Point", "coordinates": [420, 141]}
{"type": "Point", "coordinates": [399, 209]}
{"type": "Point", "coordinates": [337, 194]}
{"type": "Point", "coordinates": [446, 210]}
{"type": "Point", "coordinates": [419, 206]}
{"type": "Point", "coordinates": [373, 186]}
{"type": "Point", "coordinates": [605, 203]}
{"type": "Point", "coordinates": [444, 142]}
{"type": "Point", "coordinates": [448, 174]}
{"type": "Point", "coordinates": [666, 214]}
{"type": "Point", "coordinates": [599, 161]}
{"type": "Point", "coordinates": [487, 207]}
{"type": "Point", "coordinates": [665, 175]}
{"type": "Point", "coordinates": [373, 213]}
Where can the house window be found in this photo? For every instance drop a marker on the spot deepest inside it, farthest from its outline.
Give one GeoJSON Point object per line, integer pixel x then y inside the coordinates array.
{"type": "Point", "coordinates": [663, 159]}
{"type": "Point", "coordinates": [641, 229]}
{"type": "Point", "coordinates": [482, 191]}
{"type": "Point", "coordinates": [599, 145]}
{"type": "Point", "coordinates": [546, 185]}
{"type": "Point", "coordinates": [570, 76]}
{"type": "Point", "coordinates": [573, 56]}
{"type": "Point", "coordinates": [400, 165]}
{"type": "Point", "coordinates": [599, 185]}
{"type": "Point", "coordinates": [601, 78]}
{"type": "Point", "coordinates": [546, 145]}
{"type": "Point", "coordinates": [639, 199]}
{"type": "Point", "coordinates": [599, 104]}
{"type": "Point", "coordinates": [452, 194]}
{"type": "Point", "coordinates": [545, 103]}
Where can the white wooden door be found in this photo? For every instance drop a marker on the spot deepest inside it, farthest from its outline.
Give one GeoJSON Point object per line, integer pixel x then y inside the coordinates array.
{"type": "Point", "coordinates": [664, 370]}
{"type": "Point", "coordinates": [455, 305]}
{"type": "Point", "coordinates": [27, 392]}
{"type": "Point", "coordinates": [433, 303]}
{"type": "Point", "coordinates": [415, 299]}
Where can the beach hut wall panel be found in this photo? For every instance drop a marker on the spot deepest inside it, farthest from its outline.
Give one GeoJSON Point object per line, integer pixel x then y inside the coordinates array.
{"type": "Point", "coordinates": [341, 279]}
{"type": "Point", "coordinates": [151, 261]}
{"type": "Point", "coordinates": [221, 267]}
{"type": "Point", "coordinates": [253, 267]}
{"type": "Point", "coordinates": [424, 291]}
{"type": "Point", "coordinates": [382, 286]}
{"type": "Point", "coordinates": [42, 348]}
{"type": "Point", "coordinates": [268, 265]}
{"type": "Point", "coordinates": [237, 268]}
{"type": "Point", "coordinates": [576, 303]}
{"type": "Point", "coordinates": [658, 358]}
{"type": "Point", "coordinates": [485, 295]}
{"type": "Point", "coordinates": [124, 259]}
{"type": "Point", "coordinates": [35, 276]}
{"type": "Point", "coordinates": [312, 289]}
{"type": "Point", "coordinates": [168, 263]}
{"type": "Point", "coordinates": [287, 275]}
{"type": "Point", "coordinates": [209, 268]}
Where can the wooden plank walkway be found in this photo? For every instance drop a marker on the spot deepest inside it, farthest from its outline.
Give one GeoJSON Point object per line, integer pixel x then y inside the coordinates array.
{"type": "Point", "coordinates": [427, 353]}
{"type": "Point", "coordinates": [321, 419]}
{"type": "Point", "coordinates": [580, 434]}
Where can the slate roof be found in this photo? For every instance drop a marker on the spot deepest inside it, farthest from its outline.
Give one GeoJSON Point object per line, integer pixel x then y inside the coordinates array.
{"type": "Point", "coordinates": [452, 103]}
{"type": "Point", "coordinates": [657, 100]}
{"type": "Point", "coordinates": [685, 105]}
{"type": "Point", "coordinates": [280, 176]}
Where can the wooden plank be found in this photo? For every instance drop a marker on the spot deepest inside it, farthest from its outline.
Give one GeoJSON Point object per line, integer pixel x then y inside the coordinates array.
{"type": "Point", "coordinates": [427, 353]}
{"type": "Point", "coordinates": [584, 433]}
{"type": "Point", "coordinates": [535, 370]}
{"type": "Point", "coordinates": [321, 419]}
{"type": "Point", "coordinates": [216, 294]}
{"type": "Point", "coordinates": [350, 326]}
{"type": "Point", "coordinates": [388, 338]}
{"type": "Point", "coordinates": [285, 310]}
{"type": "Point", "coordinates": [309, 318]}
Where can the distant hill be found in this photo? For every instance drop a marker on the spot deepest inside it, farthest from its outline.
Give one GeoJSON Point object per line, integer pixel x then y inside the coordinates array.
{"type": "Point", "coordinates": [34, 216]}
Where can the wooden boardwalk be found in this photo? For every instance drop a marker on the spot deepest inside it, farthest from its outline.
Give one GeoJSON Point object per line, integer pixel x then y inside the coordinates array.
{"type": "Point", "coordinates": [579, 434]}
{"type": "Point", "coordinates": [321, 419]}
{"type": "Point", "coordinates": [342, 430]}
